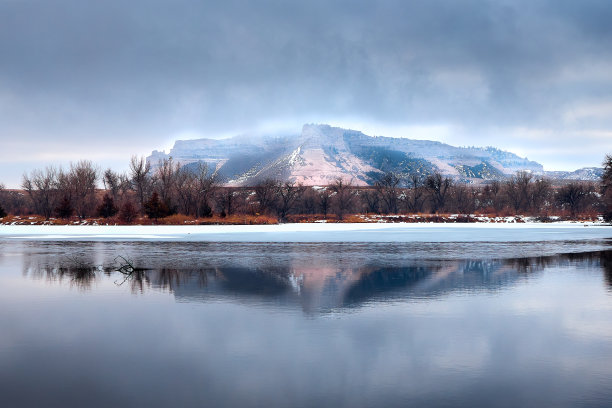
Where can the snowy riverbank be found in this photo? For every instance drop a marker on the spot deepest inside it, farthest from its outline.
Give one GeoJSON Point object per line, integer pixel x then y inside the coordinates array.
{"type": "Point", "coordinates": [319, 232]}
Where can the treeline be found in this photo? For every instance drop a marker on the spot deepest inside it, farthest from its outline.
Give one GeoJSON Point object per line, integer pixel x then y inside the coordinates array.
{"type": "Point", "coordinates": [196, 191]}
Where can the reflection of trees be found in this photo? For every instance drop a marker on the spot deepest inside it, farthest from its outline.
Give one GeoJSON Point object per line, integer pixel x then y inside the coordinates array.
{"type": "Point", "coordinates": [606, 264]}
{"type": "Point", "coordinates": [322, 285]}
{"type": "Point", "coordinates": [601, 259]}
{"type": "Point", "coordinates": [78, 271]}
{"type": "Point", "coordinates": [172, 278]}
{"type": "Point", "coordinates": [243, 281]}
{"type": "Point", "coordinates": [439, 278]}
{"type": "Point", "coordinates": [137, 279]}
{"type": "Point", "coordinates": [129, 273]}
{"type": "Point", "coordinates": [527, 266]}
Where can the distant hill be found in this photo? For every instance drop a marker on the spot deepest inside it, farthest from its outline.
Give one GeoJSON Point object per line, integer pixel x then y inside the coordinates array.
{"type": "Point", "coordinates": [321, 153]}
{"type": "Point", "coordinates": [584, 174]}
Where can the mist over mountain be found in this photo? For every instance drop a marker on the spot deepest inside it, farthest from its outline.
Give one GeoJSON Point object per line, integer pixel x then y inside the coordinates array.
{"type": "Point", "coordinates": [321, 153]}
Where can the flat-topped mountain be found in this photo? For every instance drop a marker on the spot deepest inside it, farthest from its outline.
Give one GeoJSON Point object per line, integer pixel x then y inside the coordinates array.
{"type": "Point", "coordinates": [321, 153]}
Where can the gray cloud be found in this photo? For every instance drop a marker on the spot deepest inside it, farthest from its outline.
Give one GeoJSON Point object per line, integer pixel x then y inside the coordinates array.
{"type": "Point", "coordinates": [137, 72]}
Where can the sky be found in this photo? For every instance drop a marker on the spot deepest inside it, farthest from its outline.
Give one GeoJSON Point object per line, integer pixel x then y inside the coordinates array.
{"type": "Point", "coordinates": [105, 80]}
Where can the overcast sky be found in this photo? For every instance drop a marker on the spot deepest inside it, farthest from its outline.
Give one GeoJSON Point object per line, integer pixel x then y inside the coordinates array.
{"type": "Point", "coordinates": [107, 79]}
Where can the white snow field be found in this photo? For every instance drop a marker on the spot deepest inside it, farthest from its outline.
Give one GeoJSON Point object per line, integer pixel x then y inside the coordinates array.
{"type": "Point", "coordinates": [320, 232]}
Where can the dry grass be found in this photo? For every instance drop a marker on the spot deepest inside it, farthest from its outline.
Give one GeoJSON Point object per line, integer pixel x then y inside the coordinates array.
{"type": "Point", "coordinates": [179, 219]}
{"type": "Point", "coordinates": [240, 220]}
{"type": "Point", "coordinates": [306, 218]}
{"type": "Point", "coordinates": [33, 220]}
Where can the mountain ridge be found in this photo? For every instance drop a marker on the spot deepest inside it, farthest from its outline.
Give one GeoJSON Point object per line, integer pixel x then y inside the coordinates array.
{"type": "Point", "coordinates": [321, 154]}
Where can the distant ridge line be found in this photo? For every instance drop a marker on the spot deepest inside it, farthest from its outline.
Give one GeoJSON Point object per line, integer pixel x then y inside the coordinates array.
{"type": "Point", "coordinates": [321, 153]}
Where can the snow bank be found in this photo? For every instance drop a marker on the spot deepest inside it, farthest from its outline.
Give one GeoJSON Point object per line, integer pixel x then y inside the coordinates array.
{"type": "Point", "coordinates": [528, 232]}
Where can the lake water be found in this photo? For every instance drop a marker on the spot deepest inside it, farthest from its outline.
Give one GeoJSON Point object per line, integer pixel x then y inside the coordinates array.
{"type": "Point", "coordinates": [305, 324]}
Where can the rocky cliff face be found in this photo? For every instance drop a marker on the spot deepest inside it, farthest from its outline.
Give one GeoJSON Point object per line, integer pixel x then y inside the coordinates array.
{"type": "Point", "coordinates": [321, 153]}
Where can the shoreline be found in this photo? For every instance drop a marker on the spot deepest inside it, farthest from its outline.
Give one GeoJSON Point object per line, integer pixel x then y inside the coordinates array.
{"type": "Point", "coordinates": [177, 220]}
{"type": "Point", "coordinates": [317, 232]}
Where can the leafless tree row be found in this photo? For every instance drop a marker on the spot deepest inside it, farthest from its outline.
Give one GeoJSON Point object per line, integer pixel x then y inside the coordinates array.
{"type": "Point", "coordinates": [55, 190]}
{"type": "Point", "coordinates": [195, 190]}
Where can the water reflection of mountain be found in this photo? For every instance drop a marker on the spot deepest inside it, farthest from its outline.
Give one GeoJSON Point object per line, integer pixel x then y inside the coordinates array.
{"type": "Point", "coordinates": [327, 288]}
{"type": "Point", "coordinates": [435, 280]}
{"type": "Point", "coordinates": [212, 283]}
{"type": "Point", "coordinates": [313, 283]}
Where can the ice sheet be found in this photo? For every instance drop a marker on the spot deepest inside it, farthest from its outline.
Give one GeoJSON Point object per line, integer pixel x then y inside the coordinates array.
{"type": "Point", "coordinates": [319, 232]}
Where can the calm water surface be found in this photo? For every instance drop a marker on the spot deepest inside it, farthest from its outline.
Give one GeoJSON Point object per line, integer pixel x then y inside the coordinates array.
{"type": "Point", "coordinates": [342, 325]}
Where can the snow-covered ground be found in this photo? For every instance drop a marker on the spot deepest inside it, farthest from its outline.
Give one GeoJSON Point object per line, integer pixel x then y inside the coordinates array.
{"type": "Point", "coordinates": [317, 232]}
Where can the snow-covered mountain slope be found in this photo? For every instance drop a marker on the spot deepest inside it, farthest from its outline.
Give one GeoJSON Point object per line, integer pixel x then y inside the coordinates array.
{"type": "Point", "coordinates": [321, 153]}
{"type": "Point", "coordinates": [584, 174]}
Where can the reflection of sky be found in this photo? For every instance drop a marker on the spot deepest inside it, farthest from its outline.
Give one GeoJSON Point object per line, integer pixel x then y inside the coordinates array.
{"type": "Point", "coordinates": [542, 338]}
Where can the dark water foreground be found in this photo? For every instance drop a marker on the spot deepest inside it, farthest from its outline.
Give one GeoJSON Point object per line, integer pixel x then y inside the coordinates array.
{"type": "Point", "coordinates": [153, 324]}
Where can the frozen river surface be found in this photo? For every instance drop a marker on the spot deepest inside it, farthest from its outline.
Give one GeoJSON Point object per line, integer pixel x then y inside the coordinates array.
{"type": "Point", "coordinates": [316, 232]}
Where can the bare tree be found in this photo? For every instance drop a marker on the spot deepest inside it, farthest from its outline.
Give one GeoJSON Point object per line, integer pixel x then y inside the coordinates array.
{"type": "Point", "coordinates": [371, 199]}
{"type": "Point", "coordinates": [265, 193]}
{"type": "Point", "coordinates": [64, 192]}
{"type": "Point", "coordinates": [82, 178]}
{"type": "Point", "coordinates": [343, 198]}
{"type": "Point", "coordinates": [492, 197]}
{"type": "Point", "coordinates": [388, 189]}
{"type": "Point", "coordinates": [415, 195]}
{"type": "Point", "coordinates": [14, 202]}
{"type": "Point", "coordinates": [463, 199]}
{"type": "Point", "coordinates": [41, 187]}
{"type": "Point", "coordinates": [325, 199]}
{"type": "Point", "coordinates": [438, 187]}
{"type": "Point", "coordinates": [206, 182]}
{"type": "Point", "coordinates": [194, 187]}
{"type": "Point", "coordinates": [309, 201]}
{"type": "Point", "coordinates": [165, 176]}
{"type": "Point", "coordinates": [540, 192]}
{"type": "Point", "coordinates": [186, 191]}
{"type": "Point", "coordinates": [518, 191]}
{"type": "Point", "coordinates": [226, 200]}
{"type": "Point", "coordinates": [112, 183]}
{"type": "Point", "coordinates": [118, 185]}
{"type": "Point", "coordinates": [573, 196]}
{"type": "Point", "coordinates": [140, 177]}
{"type": "Point", "coordinates": [288, 194]}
